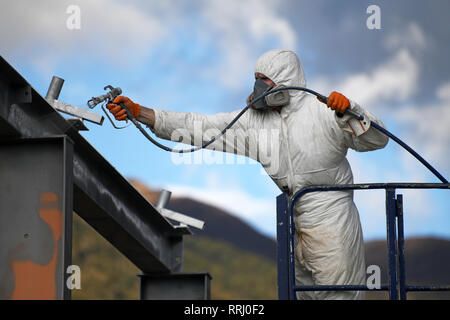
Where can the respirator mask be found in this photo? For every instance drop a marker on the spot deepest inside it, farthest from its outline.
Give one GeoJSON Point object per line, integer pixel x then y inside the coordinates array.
{"type": "Point", "coordinates": [276, 99]}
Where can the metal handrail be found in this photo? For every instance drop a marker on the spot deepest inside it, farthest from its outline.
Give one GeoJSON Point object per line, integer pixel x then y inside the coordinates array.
{"type": "Point", "coordinates": [394, 211]}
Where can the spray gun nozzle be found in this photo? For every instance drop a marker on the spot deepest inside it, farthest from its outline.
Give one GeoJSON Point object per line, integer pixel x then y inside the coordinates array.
{"type": "Point", "coordinates": [109, 96]}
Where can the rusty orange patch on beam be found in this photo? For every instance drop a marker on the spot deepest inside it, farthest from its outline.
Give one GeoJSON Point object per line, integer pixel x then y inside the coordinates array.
{"type": "Point", "coordinates": [34, 281]}
{"type": "Point", "coordinates": [49, 197]}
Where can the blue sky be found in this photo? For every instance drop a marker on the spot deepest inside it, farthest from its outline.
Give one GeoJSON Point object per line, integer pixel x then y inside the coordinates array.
{"type": "Point", "coordinates": [199, 56]}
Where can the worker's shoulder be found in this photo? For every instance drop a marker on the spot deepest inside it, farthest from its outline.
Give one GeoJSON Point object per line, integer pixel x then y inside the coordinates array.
{"type": "Point", "coordinates": [310, 105]}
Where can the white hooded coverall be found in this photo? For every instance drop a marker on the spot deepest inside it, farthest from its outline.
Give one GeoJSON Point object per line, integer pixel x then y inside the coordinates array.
{"type": "Point", "coordinates": [304, 144]}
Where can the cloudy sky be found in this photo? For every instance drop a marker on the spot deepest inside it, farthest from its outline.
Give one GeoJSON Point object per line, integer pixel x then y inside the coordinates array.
{"type": "Point", "coordinates": [199, 56]}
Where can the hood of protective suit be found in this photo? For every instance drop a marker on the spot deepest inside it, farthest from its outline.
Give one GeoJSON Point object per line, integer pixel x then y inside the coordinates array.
{"type": "Point", "coordinates": [283, 67]}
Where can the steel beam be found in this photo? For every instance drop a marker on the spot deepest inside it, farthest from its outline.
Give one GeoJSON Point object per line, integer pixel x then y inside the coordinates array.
{"type": "Point", "coordinates": [391, 209]}
{"type": "Point", "coordinates": [35, 218]}
{"type": "Point", "coordinates": [401, 248]}
{"type": "Point", "coordinates": [283, 247]}
{"type": "Point", "coordinates": [177, 286]}
{"type": "Point", "coordinates": [101, 195]}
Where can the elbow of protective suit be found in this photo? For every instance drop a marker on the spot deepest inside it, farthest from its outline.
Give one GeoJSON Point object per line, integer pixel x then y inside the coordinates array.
{"type": "Point", "coordinates": [384, 142]}
{"type": "Point", "coordinates": [363, 135]}
{"type": "Point", "coordinates": [377, 138]}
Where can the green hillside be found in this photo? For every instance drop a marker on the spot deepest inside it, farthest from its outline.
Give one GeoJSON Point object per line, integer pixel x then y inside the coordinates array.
{"type": "Point", "coordinates": [107, 274]}
{"type": "Point", "coordinates": [237, 274]}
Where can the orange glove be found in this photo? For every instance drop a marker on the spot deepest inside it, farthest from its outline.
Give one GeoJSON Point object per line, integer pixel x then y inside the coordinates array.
{"type": "Point", "coordinates": [120, 113]}
{"type": "Point", "coordinates": [338, 102]}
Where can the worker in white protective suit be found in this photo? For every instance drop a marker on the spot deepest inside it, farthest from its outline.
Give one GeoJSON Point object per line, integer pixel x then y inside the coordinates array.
{"type": "Point", "coordinates": [310, 148]}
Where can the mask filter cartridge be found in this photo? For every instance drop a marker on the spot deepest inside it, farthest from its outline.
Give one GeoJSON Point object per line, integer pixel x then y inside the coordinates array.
{"type": "Point", "coordinates": [276, 99]}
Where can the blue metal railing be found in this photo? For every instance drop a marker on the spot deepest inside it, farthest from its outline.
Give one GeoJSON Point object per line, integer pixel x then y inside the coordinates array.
{"type": "Point", "coordinates": [397, 286]}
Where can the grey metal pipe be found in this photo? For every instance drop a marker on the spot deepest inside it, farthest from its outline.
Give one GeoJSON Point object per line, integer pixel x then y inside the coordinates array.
{"type": "Point", "coordinates": [54, 89]}
{"type": "Point", "coordinates": [163, 199]}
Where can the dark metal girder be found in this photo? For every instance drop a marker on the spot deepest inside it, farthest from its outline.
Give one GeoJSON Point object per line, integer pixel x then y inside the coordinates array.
{"type": "Point", "coordinates": [36, 217]}
{"type": "Point", "coordinates": [102, 196]}
{"type": "Point", "coordinates": [175, 286]}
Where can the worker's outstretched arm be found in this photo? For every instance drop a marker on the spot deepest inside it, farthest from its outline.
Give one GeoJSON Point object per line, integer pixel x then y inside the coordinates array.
{"type": "Point", "coordinates": [196, 129]}
{"type": "Point", "coordinates": [189, 128]}
{"type": "Point", "coordinates": [359, 134]}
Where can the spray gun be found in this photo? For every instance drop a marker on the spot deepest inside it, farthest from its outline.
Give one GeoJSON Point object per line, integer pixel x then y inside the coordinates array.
{"type": "Point", "coordinates": [106, 98]}
{"type": "Point", "coordinates": [109, 97]}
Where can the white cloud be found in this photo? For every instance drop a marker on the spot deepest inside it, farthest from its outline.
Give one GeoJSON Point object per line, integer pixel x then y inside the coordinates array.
{"type": "Point", "coordinates": [110, 31]}
{"type": "Point", "coordinates": [240, 29]}
{"type": "Point", "coordinates": [411, 36]}
{"type": "Point", "coordinates": [394, 79]}
{"type": "Point", "coordinates": [260, 212]}
{"type": "Point", "coordinates": [443, 92]}
{"type": "Point", "coordinates": [123, 34]}
{"type": "Point", "coordinates": [428, 127]}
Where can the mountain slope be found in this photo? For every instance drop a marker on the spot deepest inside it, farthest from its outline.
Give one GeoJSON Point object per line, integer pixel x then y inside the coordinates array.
{"type": "Point", "coordinates": [427, 263]}
{"type": "Point", "coordinates": [107, 274]}
{"type": "Point", "coordinates": [237, 274]}
{"type": "Point", "coordinates": [219, 224]}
